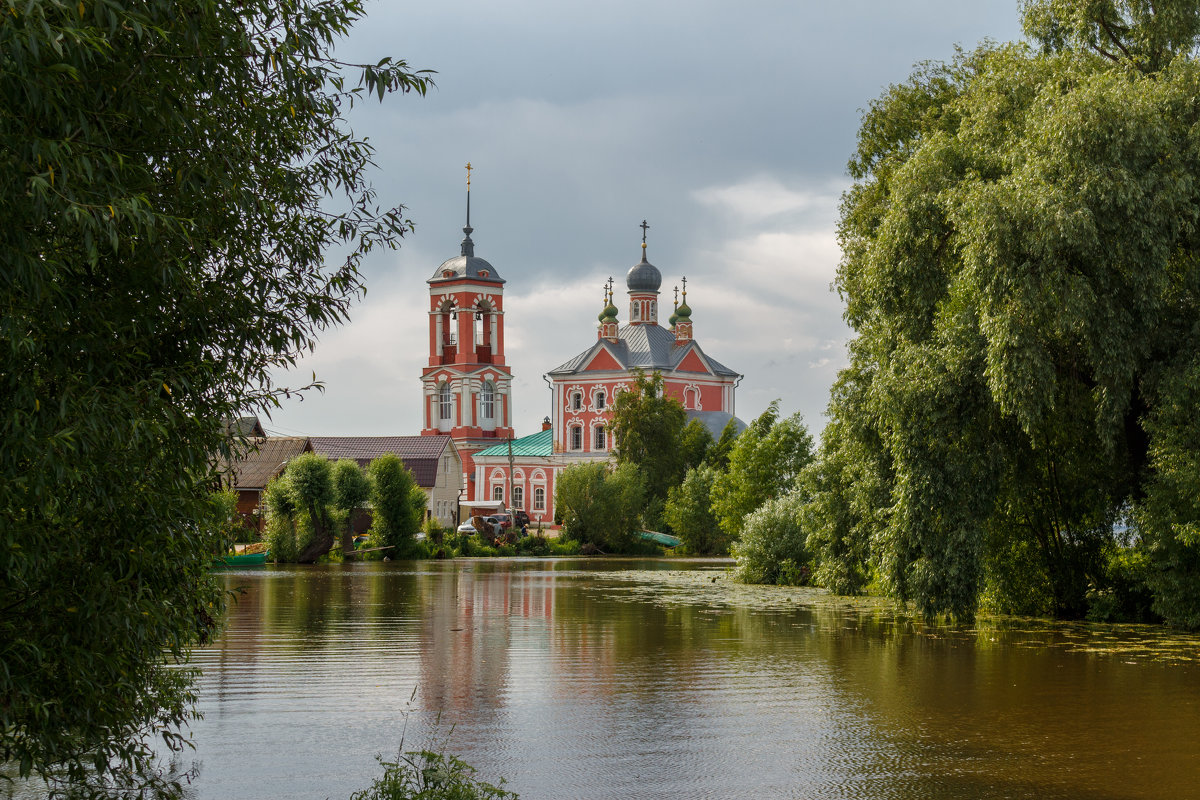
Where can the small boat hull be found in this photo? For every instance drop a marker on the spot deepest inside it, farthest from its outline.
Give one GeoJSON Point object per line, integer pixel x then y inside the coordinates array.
{"type": "Point", "coordinates": [241, 560]}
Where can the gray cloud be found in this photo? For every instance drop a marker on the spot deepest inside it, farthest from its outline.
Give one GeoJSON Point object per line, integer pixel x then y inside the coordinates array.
{"type": "Point", "coordinates": [726, 126]}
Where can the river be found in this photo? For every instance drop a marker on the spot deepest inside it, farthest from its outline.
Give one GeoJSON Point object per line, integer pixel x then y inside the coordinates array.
{"type": "Point", "coordinates": [606, 679]}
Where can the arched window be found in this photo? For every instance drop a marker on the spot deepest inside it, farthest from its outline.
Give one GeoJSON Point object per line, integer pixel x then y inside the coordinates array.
{"type": "Point", "coordinates": [518, 497]}
{"type": "Point", "coordinates": [576, 437]}
{"type": "Point", "coordinates": [487, 406]}
{"type": "Point", "coordinates": [600, 438]}
{"type": "Point", "coordinates": [539, 498]}
{"type": "Point", "coordinates": [498, 493]}
{"type": "Point", "coordinates": [636, 310]}
{"type": "Point", "coordinates": [600, 400]}
{"type": "Point", "coordinates": [445, 407]}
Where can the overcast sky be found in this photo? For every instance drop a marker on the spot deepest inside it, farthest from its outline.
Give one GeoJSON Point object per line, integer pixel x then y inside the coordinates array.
{"type": "Point", "coordinates": [727, 126]}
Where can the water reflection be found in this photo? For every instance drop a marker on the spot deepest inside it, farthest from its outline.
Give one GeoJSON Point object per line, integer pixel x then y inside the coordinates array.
{"type": "Point", "coordinates": [595, 679]}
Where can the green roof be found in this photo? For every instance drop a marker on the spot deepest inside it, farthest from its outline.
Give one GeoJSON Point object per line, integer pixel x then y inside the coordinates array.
{"type": "Point", "coordinates": [538, 444]}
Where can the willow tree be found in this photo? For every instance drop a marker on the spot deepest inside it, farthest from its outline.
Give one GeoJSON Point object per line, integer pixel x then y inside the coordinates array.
{"type": "Point", "coordinates": [1021, 267]}
{"type": "Point", "coordinates": [172, 174]}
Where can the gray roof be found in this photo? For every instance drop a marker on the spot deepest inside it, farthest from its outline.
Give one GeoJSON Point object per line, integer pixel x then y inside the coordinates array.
{"type": "Point", "coordinates": [245, 426]}
{"type": "Point", "coordinates": [646, 347]}
{"type": "Point", "coordinates": [466, 264]}
{"type": "Point", "coordinates": [263, 459]}
{"type": "Point", "coordinates": [466, 267]}
{"type": "Point", "coordinates": [419, 453]}
{"type": "Point", "coordinates": [716, 421]}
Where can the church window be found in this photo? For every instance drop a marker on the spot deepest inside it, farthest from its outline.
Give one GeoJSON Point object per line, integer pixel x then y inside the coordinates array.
{"type": "Point", "coordinates": [600, 438]}
{"type": "Point", "coordinates": [576, 437]}
{"type": "Point", "coordinates": [518, 497]}
{"type": "Point", "coordinates": [539, 498]}
{"type": "Point", "coordinates": [576, 401]}
{"type": "Point", "coordinates": [653, 311]}
{"type": "Point", "coordinates": [636, 311]}
{"type": "Point", "coordinates": [445, 406]}
{"type": "Point", "coordinates": [600, 400]}
{"type": "Point", "coordinates": [498, 493]}
{"type": "Point", "coordinates": [487, 402]}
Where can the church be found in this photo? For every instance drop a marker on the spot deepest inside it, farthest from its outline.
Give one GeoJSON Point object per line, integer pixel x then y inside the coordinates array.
{"type": "Point", "coordinates": [468, 386]}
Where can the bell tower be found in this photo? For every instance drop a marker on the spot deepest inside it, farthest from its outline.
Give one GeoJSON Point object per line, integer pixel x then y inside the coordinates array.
{"type": "Point", "coordinates": [466, 382]}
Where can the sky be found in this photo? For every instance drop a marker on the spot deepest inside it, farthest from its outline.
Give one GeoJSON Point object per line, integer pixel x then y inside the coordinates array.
{"type": "Point", "coordinates": [726, 126]}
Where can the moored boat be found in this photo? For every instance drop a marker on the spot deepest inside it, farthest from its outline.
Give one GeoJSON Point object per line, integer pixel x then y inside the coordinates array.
{"type": "Point", "coordinates": [241, 560]}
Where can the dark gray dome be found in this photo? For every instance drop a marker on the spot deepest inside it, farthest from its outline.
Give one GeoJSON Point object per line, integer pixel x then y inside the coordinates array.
{"type": "Point", "coordinates": [466, 267]}
{"type": "Point", "coordinates": [643, 277]}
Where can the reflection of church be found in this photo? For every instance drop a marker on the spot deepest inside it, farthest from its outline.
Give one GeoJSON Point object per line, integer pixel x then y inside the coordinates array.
{"type": "Point", "coordinates": [467, 385]}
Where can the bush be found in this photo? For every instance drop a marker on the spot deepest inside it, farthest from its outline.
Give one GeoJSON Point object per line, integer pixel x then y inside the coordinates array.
{"type": "Point", "coordinates": [689, 513]}
{"type": "Point", "coordinates": [397, 509]}
{"type": "Point", "coordinates": [772, 548]}
{"type": "Point", "coordinates": [599, 506]}
{"type": "Point", "coordinates": [426, 775]}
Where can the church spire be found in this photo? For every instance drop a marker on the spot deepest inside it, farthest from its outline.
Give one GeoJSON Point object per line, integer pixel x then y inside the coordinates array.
{"type": "Point", "coordinates": [468, 246]}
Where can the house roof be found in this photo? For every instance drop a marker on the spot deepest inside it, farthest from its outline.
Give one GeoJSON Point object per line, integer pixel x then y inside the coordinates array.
{"type": "Point", "coordinates": [537, 445]}
{"type": "Point", "coordinates": [264, 459]}
{"type": "Point", "coordinates": [715, 421]}
{"type": "Point", "coordinates": [420, 454]}
{"type": "Point", "coordinates": [647, 347]}
{"type": "Point", "coordinates": [245, 426]}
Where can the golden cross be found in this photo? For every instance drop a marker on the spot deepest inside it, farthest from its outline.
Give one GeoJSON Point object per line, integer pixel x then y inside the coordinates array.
{"type": "Point", "coordinates": [468, 176]}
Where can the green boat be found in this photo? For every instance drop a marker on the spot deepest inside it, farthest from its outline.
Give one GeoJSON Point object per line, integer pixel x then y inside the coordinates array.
{"type": "Point", "coordinates": [665, 539]}
{"type": "Point", "coordinates": [241, 560]}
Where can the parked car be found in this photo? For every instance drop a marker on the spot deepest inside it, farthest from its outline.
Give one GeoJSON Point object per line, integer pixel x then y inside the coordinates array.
{"type": "Point", "coordinates": [521, 518]}
{"type": "Point", "coordinates": [467, 528]}
{"type": "Point", "coordinates": [504, 519]}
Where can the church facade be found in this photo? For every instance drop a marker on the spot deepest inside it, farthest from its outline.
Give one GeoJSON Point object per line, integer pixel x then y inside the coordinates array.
{"type": "Point", "coordinates": [467, 385]}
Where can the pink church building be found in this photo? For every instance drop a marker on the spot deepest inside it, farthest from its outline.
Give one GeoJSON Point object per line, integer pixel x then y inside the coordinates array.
{"type": "Point", "coordinates": [467, 385]}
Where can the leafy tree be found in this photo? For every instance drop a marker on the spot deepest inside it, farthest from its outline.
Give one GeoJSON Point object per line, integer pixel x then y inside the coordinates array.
{"type": "Point", "coordinates": [600, 506]}
{"type": "Point", "coordinates": [772, 547]}
{"type": "Point", "coordinates": [163, 231]}
{"type": "Point", "coordinates": [718, 454]}
{"type": "Point", "coordinates": [397, 504]}
{"type": "Point", "coordinates": [351, 491]}
{"type": "Point", "coordinates": [689, 513]}
{"type": "Point", "coordinates": [765, 460]}
{"type": "Point", "coordinates": [301, 502]}
{"type": "Point", "coordinates": [1020, 265]}
{"type": "Point", "coordinates": [652, 432]}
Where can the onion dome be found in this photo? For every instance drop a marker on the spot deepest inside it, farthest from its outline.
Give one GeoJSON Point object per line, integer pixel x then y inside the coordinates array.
{"type": "Point", "coordinates": [609, 314]}
{"type": "Point", "coordinates": [643, 276]}
{"type": "Point", "coordinates": [682, 313]}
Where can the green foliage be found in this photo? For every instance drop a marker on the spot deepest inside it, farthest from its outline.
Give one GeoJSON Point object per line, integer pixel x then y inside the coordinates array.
{"type": "Point", "coordinates": [351, 491]}
{"type": "Point", "coordinates": [1168, 517]}
{"type": "Point", "coordinates": [1020, 267]}
{"type": "Point", "coordinates": [689, 513]}
{"type": "Point", "coordinates": [764, 463]}
{"type": "Point", "coordinates": [397, 509]}
{"type": "Point", "coordinates": [300, 511]}
{"type": "Point", "coordinates": [173, 175]}
{"type": "Point", "coordinates": [426, 775]}
{"type": "Point", "coordinates": [652, 433]}
{"type": "Point", "coordinates": [232, 528]}
{"type": "Point", "coordinates": [718, 454]}
{"type": "Point", "coordinates": [848, 486]}
{"type": "Point", "coordinates": [772, 548]}
{"type": "Point", "coordinates": [600, 506]}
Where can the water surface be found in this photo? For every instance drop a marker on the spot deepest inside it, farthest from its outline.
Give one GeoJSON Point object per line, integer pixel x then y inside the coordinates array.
{"type": "Point", "coordinates": [622, 679]}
